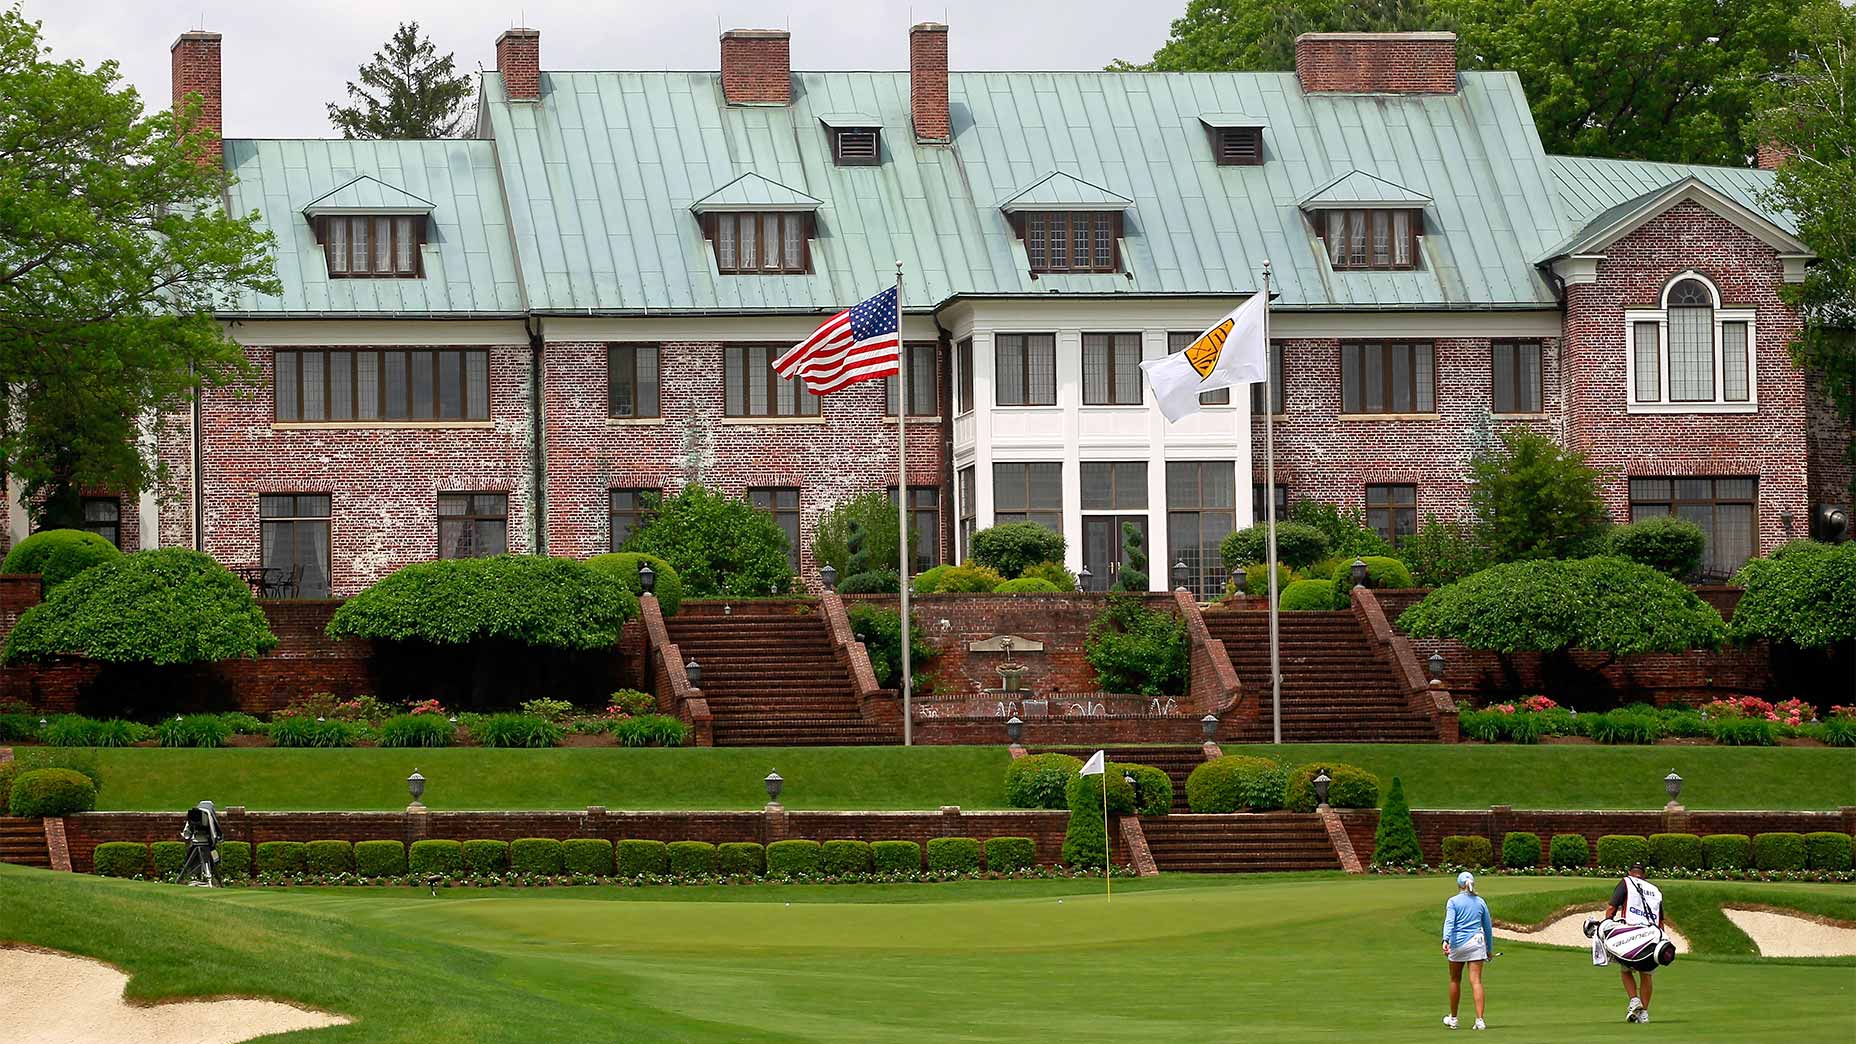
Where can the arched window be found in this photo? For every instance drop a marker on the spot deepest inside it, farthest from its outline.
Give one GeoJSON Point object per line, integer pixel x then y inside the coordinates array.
{"type": "Point", "coordinates": [1692, 353]}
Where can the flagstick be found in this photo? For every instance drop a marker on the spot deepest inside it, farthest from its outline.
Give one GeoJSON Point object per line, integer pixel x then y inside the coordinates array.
{"type": "Point", "coordinates": [1269, 497]}
{"type": "Point", "coordinates": [1108, 862]}
{"type": "Point", "coordinates": [902, 511]}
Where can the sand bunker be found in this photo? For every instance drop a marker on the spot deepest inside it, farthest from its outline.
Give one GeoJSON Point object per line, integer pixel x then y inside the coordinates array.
{"type": "Point", "coordinates": [1788, 935]}
{"type": "Point", "coordinates": [1568, 929]}
{"type": "Point", "coordinates": [53, 998]}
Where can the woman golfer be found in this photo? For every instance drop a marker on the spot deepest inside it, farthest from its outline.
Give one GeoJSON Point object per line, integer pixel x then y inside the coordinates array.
{"type": "Point", "coordinates": [1467, 931]}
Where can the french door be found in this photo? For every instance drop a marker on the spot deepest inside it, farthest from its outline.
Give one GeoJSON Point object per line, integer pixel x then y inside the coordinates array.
{"type": "Point", "coordinates": [1103, 551]}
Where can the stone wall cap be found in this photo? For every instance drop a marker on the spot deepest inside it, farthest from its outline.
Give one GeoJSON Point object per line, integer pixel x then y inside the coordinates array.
{"type": "Point", "coordinates": [757, 34]}
{"type": "Point", "coordinates": [199, 35]}
{"type": "Point", "coordinates": [1437, 37]}
{"type": "Point", "coordinates": [928, 27]}
{"type": "Point", "coordinates": [519, 33]}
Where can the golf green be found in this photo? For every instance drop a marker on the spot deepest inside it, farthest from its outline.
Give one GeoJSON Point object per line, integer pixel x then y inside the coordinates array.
{"type": "Point", "coordinates": [1285, 958]}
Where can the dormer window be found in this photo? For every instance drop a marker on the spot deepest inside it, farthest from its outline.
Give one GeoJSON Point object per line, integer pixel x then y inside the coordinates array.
{"type": "Point", "coordinates": [1237, 140]}
{"type": "Point", "coordinates": [358, 246]}
{"type": "Point", "coordinates": [764, 242]}
{"type": "Point", "coordinates": [1071, 240]}
{"type": "Point", "coordinates": [1377, 238]}
{"type": "Point", "coordinates": [854, 146]}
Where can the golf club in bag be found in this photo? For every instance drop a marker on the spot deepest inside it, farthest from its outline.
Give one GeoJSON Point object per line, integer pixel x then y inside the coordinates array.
{"type": "Point", "coordinates": [1641, 947]}
{"type": "Point", "coordinates": [201, 833]}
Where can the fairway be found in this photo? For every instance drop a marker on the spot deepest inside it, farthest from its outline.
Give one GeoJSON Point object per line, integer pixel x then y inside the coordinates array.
{"type": "Point", "coordinates": [892, 778]}
{"type": "Point", "coordinates": [1169, 959]}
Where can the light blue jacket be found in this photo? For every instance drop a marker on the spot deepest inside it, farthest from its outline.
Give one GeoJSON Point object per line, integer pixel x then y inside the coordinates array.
{"type": "Point", "coordinates": [1464, 916]}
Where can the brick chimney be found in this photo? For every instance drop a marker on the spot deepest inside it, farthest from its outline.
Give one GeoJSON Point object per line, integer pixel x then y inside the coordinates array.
{"type": "Point", "coordinates": [1771, 154]}
{"type": "Point", "coordinates": [1377, 63]}
{"type": "Point", "coordinates": [195, 59]}
{"type": "Point", "coordinates": [518, 58]}
{"type": "Point", "coordinates": [757, 67]}
{"type": "Point", "coordinates": [928, 81]}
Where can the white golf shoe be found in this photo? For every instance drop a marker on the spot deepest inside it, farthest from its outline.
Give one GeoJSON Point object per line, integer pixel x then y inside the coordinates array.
{"type": "Point", "coordinates": [1644, 1015]}
{"type": "Point", "coordinates": [1449, 1022]}
{"type": "Point", "coordinates": [1480, 1025]}
{"type": "Point", "coordinates": [1634, 1012]}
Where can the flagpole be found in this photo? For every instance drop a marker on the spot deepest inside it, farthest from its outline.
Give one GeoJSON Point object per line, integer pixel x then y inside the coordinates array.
{"type": "Point", "coordinates": [1269, 498]}
{"type": "Point", "coordinates": [906, 631]}
{"type": "Point", "coordinates": [1108, 860]}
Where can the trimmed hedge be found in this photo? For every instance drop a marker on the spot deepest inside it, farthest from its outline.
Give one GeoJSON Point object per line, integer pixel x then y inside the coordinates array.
{"type": "Point", "coordinates": [896, 857]}
{"type": "Point", "coordinates": [959, 854]}
{"type": "Point", "coordinates": [1306, 596]}
{"type": "Point", "coordinates": [1676, 851]}
{"type": "Point", "coordinates": [120, 858]}
{"type": "Point", "coordinates": [667, 586]}
{"type": "Point", "coordinates": [58, 555]}
{"type": "Point", "coordinates": [1780, 850]}
{"type": "Point", "coordinates": [794, 857]}
{"type": "Point", "coordinates": [638, 856]}
{"type": "Point", "coordinates": [535, 855]}
{"type": "Point", "coordinates": [1381, 574]}
{"type": "Point", "coordinates": [588, 856]}
{"type": "Point", "coordinates": [283, 857]}
{"type": "Point", "coordinates": [845, 857]}
{"type": "Point", "coordinates": [1352, 787]}
{"type": "Point", "coordinates": [435, 856]}
{"type": "Point", "coordinates": [379, 858]}
{"type": "Point", "coordinates": [1827, 850]}
{"type": "Point", "coordinates": [1569, 850]}
{"type": "Point", "coordinates": [741, 857]}
{"type": "Point", "coordinates": [1727, 851]}
{"type": "Point", "coordinates": [168, 857]}
{"type": "Point", "coordinates": [1470, 851]}
{"type": "Point", "coordinates": [1153, 788]}
{"type": "Point", "coordinates": [1621, 851]}
{"type": "Point", "coordinates": [235, 860]}
{"type": "Point", "coordinates": [1039, 780]}
{"type": "Point", "coordinates": [1520, 848]}
{"type": "Point", "coordinates": [1006, 854]}
{"type": "Point", "coordinates": [328, 857]}
{"type": "Point", "coordinates": [485, 856]}
{"type": "Point", "coordinates": [1235, 783]}
{"type": "Point", "coordinates": [535, 600]}
{"type": "Point", "coordinates": [52, 792]}
{"type": "Point", "coordinates": [689, 858]}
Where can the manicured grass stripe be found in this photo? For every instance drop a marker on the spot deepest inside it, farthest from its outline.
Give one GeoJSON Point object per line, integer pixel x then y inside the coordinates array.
{"type": "Point", "coordinates": [1693, 906]}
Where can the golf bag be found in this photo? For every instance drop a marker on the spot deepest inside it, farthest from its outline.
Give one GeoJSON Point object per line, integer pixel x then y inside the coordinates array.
{"type": "Point", "coordinates": [201, 833]}
{"type": "Point", "coordinates": [1640, 947]}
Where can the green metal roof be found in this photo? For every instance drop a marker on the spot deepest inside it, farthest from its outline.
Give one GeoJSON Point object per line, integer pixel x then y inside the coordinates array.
{"type": "Point", "coordinates": [470, 268]}
{"type": "Point", "coordinates": [1357, 188]}
{"type": "Point", "coordinates": [1232, 119]}
{"type": "Point", "coordinates": [750, 191]}
{"type": "Point", "coordinates": [1587, 187]}
{"type": "Point", "coordinates": [367, 194]}
{"type": "Point", "coordinates": [850, 120]}
{"type": "Point", "coordinates": [1058, 190]}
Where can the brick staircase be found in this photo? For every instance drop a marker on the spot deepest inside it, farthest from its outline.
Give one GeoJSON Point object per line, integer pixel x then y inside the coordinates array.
{"type": "Point", "coordinates": [22, 841]}
{"type": "Point", "coordinates": [771, 681]}
{"type": "Point", "coordinates": [1250, 843]}
{"type": "Point", "coordinates": [1176, 762]}
{"type": "Point", "coordinates": [1333, 689]}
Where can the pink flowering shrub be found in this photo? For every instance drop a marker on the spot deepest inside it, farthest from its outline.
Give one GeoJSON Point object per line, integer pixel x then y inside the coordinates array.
{"type": "Point", "coordinates": [426, 707]}
{"type": "Point", "coordinates": [1538, 703]}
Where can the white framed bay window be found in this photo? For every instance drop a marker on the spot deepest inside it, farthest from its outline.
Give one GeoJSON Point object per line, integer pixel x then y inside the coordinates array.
{"type": "Point", "coordinates": [1691, 355]}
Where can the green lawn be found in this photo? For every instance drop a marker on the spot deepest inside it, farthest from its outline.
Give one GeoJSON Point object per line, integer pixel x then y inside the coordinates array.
{"type": "Point", "coordinates": [1291, 958]}
{"type": "Point", "coordinates": [1436, 776]}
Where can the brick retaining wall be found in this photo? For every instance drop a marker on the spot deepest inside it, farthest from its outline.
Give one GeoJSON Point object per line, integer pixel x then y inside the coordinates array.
{"type": "Point", "coordinates": [1436, 824]}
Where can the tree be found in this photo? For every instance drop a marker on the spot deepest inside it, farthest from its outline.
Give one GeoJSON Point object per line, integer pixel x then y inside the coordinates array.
{"type": "Point", "coordinates": [1132, 576]}
{"type": "Point", "coordinates": [875, 513]}
{"type": "Point", "coordinates": [114, 250]}
{"type": "Point", "coordinates": [1134, 649]}
{"type": "Point", "coordinates": [719, 546]}
{"type": "Point", "coordinates": [1643, 79]}
{"type": "Point", "coordinates": [1809, 111]}
{"type": "Point", "coordinates": [407, 91]}
{"type": "Point", "coordinates": [1532, 498]}
{"type": "Point", "coordinates": [1013, 547]}
{"type": "Point", "coordinates": [1395, 841]}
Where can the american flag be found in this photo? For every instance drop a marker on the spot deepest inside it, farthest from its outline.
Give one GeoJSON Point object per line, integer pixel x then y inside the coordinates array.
{"type": "Point", "coordinates": [857, 344]}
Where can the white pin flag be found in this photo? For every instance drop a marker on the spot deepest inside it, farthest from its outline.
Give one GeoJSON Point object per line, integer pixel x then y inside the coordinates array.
{"type": "Point", "coordinates": [1095, 765]}
{"type": "Point", "coordinates": [1234, 351]}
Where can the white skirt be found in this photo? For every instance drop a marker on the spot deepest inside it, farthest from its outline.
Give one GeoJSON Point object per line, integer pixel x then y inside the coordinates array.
{"type": "Point", "coordinates": [1475, 948]}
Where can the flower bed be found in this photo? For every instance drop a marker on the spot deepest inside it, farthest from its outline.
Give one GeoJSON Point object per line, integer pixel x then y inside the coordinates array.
{"type": "Point", "coordinates": [1741, 721]}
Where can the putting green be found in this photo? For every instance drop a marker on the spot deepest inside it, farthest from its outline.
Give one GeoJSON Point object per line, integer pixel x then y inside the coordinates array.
{"type": "Point", "coordinates": [1288, 958]}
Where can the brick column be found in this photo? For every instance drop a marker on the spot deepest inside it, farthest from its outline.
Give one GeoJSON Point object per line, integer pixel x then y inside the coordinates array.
{"type": "Point", "coordinates": [1341, 840]}
{"type": "Point", "coordinates": [55, 844]}
{"type": "Point", "coordinates": [597, 823]}
{"type": "Point", "coordinates": [1134, 844]}
{"type": "Point", "coordinates": [418, 824]}
{"type": "Point", "coordinates": [950, 821]}
{"type": "Point", "coordinates": [773, 823]}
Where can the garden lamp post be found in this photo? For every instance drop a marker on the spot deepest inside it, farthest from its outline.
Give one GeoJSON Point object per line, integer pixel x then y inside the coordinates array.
{"type": "Point", "coordinates": [1014, 728]}
{"type": "Point", "coordinates": [1128, 778]}
{"type": "Point", "coordinates": [1672, 783]}
{"type": "Point", "coordinates": [1208, 727]}
{"type": "Point", "coordinates": [829, 575]}
{"type": "Point", "coordinates": [1436, 664]}
{"type": "Point", "coordinates": [1322, 782]}
{"type": "Point", "coordinates": [647, 577]}
{"type": "Point", "coordinates": [1179, 574]}
{"type": "Point", "coordinates": [1082, 579]}
{"type": "Point", "coordinates": [43, 723]}
{"type": "Point", "coordinates": [694, 671]}
{"type": "Point", "coordinates": [415, 785]}
{"type": "Point", "coordinates": [1357, 571]}
{"type": "Point", "coordinates": [774, 785]}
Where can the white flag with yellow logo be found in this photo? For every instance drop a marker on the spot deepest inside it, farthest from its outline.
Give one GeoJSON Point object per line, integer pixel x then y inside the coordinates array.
{"type": "Point", "coordinates": [1232, 352]}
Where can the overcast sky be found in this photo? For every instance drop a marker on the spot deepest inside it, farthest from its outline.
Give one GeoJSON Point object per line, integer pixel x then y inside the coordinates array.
{"type": "Point", "coordinates": [283, 62]}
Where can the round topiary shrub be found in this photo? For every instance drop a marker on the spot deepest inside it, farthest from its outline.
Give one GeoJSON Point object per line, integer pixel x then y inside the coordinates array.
{"type": "Point", "coordinates": [896, 857]}
{"type": "Point", "coordinates": [841, 857]}
{"type": "Point", "coordinates": [1040, 780]}
{"type": "Point", "coordinates": [1569, 850]}
{"type": "Point", "coordinates": [588, 856]}
{"type": "Point", "coordinates": [435, 856]}
{"type": "Point", "coordinates": [168, 857]}
{"type": "Point", "coordinates": [640, 857]}
{"type": "Point", "coordinates": [283, 857]}
{"type": "Point", "coordinates": [1520, 849]}
{"type": "Point", "coordinates": [120, 859]}
{"type": "Point", "coordinates": [693, 858]}
{"type": "Point", "coordinates": [168, 606]}
{"type": "Point", "coordinates": [329, 857]}
{"type": "Point", "coordinates": [1622, 851]}
{"type": "Point", "coordinates": [1676, 852]}
{"type": "Point", "coordinates": [1351, 787]}
{"type": "Point", "coordinates": [1665, 543]}
{"type": "Point", "coordinates": [485, 856]}
{"type": "Point", "coordinates": [1827, 850]}
{"type": "Point", "coordinates": [51, 792]}
{"type": "Point", "coordinates": [1381, 574]}
{"type": "Point", "coordinates": [954, 855]}
{"type": "Point", "coordinates": [1297, 546]}
{"type": "Point", "coordinates": [1153, 788]}
{"type": "Point", "coordinates": [1060, 578]}
{"type": "Point", "coordinates": [1307, 595]}
{"type": "Point", "coordinates": [1027, 585]}
{"type": "Point", "coordinates": [1727, 851]}
{"type": "Point", "coordinates": [746, 858]}
{"type": "Point", "coordinates": [1010, 548]}
{"type": "Point", "coordinates": [794, 858]}
{"type": "Point", "coordinates": [871, 581]}
{"type": "Point", "coordinates": [666, 586]}
{"type": "Point", "coordinates": [1471, 851]}
{"type": "Point", "coordinates": [535, 855]}
{"type": "Point", "coordinates": [58, 555]}
{"type": "Point", "coordinates": [956, 579]}
{"type": "Point", "coordinates": [235, 860]}
{"type": "Point", "coordinates": [1007, 854]}
{"type": "Point", "coordinates": [1780, 850]}
{"type": "Point", "coordinates": [1235, 783]}
{"type": "Point", "coordinates": [380, 858]}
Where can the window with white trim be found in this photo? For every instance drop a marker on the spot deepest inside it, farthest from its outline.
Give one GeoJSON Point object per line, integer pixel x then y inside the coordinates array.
{"type": "Point", "coordinates": [1691, 354]}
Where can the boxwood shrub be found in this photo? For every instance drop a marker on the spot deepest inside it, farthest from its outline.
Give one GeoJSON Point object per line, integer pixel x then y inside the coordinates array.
{"type": "Point", "coordinates": [235, 860]}
{"type": "Point", "coordinates": [587, 856]}
{"type": "Point", "coordinates": [1780, 850]}
{"type": "Point", "coordinates": [961, 854]}
{"type": "Point", "coordinates": [690, 858]}
{"type": "Point", "coordinates": [1006, 854]}
{"type": "Point", "coordinates": [435, 856]}
{"type": "Point", "coordinates": [740, 857]}
{"type": "Point", "coordinates": [1381, 574]}
{"type": "Point", "coordinates": [1569, 850]}
{"type": "Point", "coordinates": [1038, 780]}
{"type": "Point", "coordinates": [329, 857]}
{"type": "Point", "coordinates": [52, 792]}
{"type": "Point", "coordinates": [1520, 848]}
{"type": "Point", "coordinates": [896, 857]}
{"type": "Point", "coordinates": [1620, 851]}
{"type": "Point", "coordinates": [379, 858]}
{"type": "Point", "coordinates": [120, 858]}
{"type": "Point", "coordinates": [485, 856]}
{"type": "Point", "coordinates": [792, 858]}
{"type": "Point", "coordinates": [1727, 851]}
{"type": "Point", "coordinates": [1153, 788]}
{"type": "Point", "coordinates": [1468, 850]}
{"type": "Point", "coordinates": [1235, 783]}
{"type": "Point", "coordinates": [283, 857]}
{"type": "Point", "coordinates": [1304, 595]}
{"type": "Point", "coordinates": [58, 555]}
{"type": "Point", "coordinates": [168, 857]}
{"type": "Point", "coordinates": [667, 586]}
{"type": "Point", "coordinates": [1827, 850]}
{"type": "Point", "coordinates": [845, 857]}
{"type": "Point", "coordinates": [638, 856]}
{"type": "Point", "coordinates": [1676, 851]}
{"type": "Point", "coordinates": [535, 855]}
{"type": "Point", "coordinates": [1352, 787]}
